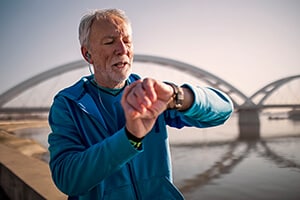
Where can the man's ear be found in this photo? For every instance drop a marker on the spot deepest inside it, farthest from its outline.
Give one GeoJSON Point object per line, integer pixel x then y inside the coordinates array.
{"type": "Point", "coordinates": [86, 55]}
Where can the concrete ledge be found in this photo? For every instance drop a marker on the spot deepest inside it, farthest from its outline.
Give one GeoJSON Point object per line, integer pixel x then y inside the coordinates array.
{"type": "Point", "coordinates": [24, 177]}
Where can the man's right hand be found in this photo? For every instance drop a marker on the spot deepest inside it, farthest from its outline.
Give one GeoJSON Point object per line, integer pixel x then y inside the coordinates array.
{"type": "Point", "coordinates": [143, 101]}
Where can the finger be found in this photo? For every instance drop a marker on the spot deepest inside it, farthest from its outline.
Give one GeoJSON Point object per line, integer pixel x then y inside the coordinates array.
{"type": "Point", "coordinates": [128, 89]}
{"type": "Point", "coordinates": [140, 96]}
{"type": "Point", "coordinates": [134, 96]}
{"type": "Point", "coordinates": [149, 87]}
{"type": "Point", "coordinates": [129, 110]}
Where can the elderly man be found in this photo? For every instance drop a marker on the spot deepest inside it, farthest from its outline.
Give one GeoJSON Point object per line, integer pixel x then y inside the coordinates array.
{"type": "Point", "coordinates": [109, 138]}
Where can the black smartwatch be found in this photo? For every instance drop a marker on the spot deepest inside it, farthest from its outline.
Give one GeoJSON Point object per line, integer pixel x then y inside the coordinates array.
{"type": "Point", "coordinates": [177, 97]}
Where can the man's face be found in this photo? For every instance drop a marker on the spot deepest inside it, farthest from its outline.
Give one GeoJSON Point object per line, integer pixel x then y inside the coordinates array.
{"type": "Point", "coordinates": [111, 49]}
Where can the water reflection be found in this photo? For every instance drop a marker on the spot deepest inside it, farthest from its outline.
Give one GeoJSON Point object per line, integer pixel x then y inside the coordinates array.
{"type": "Point", "coordinates": [223, 166]}
{"type": "Point", "coordinates": [260, 143]}
{"type": "Point", "coordinates": [279, 160]}
{"type": "Point", "coordinates": [235, 154]}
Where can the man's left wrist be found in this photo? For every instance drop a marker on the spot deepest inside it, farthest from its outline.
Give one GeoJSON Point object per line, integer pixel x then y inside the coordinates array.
{"type": "Point", "coordinates": [177, 97]}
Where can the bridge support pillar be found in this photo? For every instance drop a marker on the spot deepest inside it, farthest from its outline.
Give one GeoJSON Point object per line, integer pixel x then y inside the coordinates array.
{"type": "Point", "coordinates": [249, 125]}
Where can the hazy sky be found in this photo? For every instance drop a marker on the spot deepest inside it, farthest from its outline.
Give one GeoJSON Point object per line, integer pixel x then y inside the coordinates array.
{"type": "Point", "coordinates": [248, 43]}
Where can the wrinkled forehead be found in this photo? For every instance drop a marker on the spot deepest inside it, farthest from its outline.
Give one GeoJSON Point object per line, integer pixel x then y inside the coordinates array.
{"type": "Point", "coordinates": [112, 23]}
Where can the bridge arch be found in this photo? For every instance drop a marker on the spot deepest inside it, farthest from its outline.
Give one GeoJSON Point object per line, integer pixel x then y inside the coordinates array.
{"type": "Point", "coordinates": [265, 92]}
{"type": "Point", "coordinates": [187, 68]}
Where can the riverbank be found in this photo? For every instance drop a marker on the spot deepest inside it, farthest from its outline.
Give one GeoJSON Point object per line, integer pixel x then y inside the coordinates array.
{"type": "Point", "coordinates": [26, 146]}
{"type": "Point", "coordinates": [23, 175]}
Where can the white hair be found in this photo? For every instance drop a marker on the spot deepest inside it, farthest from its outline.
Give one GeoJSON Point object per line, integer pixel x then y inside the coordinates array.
{"type": "Point", "coordinates": [87, 21]}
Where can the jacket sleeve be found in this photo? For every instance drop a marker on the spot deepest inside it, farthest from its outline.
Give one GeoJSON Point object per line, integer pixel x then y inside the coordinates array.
{"type": "Point", "coordinates": [76, 166]}
{"type": "Point", "coordinates": [211, 107]}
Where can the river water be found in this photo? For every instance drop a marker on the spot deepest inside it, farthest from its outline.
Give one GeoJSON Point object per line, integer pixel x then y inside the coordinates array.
{"type": "Point", "coordinates": [214, 164]}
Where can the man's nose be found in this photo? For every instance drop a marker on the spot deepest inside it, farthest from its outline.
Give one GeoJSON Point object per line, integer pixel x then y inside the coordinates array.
{"type": "Point", "coordinates": [121, 48]}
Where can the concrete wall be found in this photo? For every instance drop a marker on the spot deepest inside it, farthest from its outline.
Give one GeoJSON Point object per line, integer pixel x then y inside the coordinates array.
{"type": "Point", "coordinates": [23, 177]}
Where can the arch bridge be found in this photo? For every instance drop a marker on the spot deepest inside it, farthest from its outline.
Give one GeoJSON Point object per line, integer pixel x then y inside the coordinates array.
{"type": "Point", "coordinates": [240, 100]}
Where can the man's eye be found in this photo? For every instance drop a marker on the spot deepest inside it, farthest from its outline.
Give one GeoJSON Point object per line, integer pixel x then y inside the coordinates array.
{"type": "Point", "coordinates": [108, 42]}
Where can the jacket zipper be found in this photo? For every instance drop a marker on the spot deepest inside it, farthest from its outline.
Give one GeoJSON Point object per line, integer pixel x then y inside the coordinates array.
{"type": "Point", "coordinates": [134, 181]}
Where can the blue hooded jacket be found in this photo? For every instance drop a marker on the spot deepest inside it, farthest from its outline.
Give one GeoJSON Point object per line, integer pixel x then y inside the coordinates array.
{"type": "Point", "coordinates": [92, 158]}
